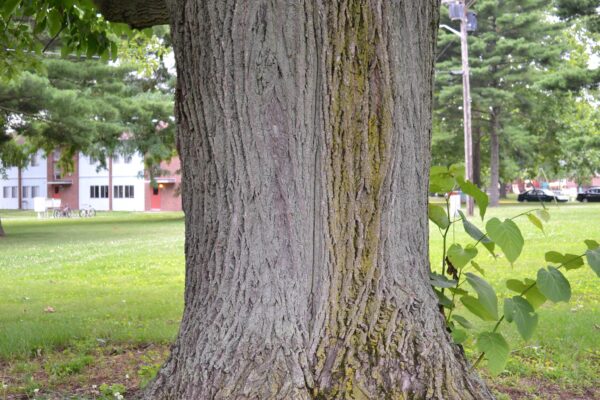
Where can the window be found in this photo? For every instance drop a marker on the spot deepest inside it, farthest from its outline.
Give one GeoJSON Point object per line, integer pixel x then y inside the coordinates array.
{"type": "Point", "coordinates": [121, 192]}
{"type": "Point", "coordinates": [127, 159]}
{"type": "Point", "coordinates": [5, 192]}
{"type": "Point", "coordinates": [99, 192]}
{"type": "Point", "coordinates": [35, 191]}
{"type": "Point", "coordinates": [25, 192]}
{"type": "Point", "coordinates": [34, 160]}
{"type": "Point", "coordinates": [115, 159]}
{"type": "Point", "coordinates": [13, 192]}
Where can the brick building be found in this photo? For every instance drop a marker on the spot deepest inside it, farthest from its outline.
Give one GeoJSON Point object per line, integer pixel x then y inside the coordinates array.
{"type": "Point", "coordinates": [122, 186]}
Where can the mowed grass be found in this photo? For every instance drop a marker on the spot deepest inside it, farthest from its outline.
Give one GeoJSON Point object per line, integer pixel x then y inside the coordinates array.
{"type": "Point", "coordinates": [119, 278]}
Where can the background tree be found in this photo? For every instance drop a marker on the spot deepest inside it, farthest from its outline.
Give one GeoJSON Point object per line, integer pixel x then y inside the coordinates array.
{"type": "Point", "coordinates": [78, 105]}
{"type": "Point", "coordinates": [516, 47]}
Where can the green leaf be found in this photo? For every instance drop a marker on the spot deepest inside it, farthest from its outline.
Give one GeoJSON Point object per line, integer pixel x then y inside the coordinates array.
{"type": "Point", "coordinates": [472, 190]}
{"type": "Point", "coordinates": [458, 291]}
{"type": "Point", "coordinates": [532, 294]}
{"type": "Point", "coordinates": [465, 323]}
{"type": "Point", "coordinates": [516, 285]}
{"type": "Point", "coordinates": [554, 257]}
{"type": "Point", "coordinates": [569, 261]}
{"type": "Point", "coordinates": [572, 261]}
{"type": "Point", "coordinates": [496, 350]}
{"type": "Point", "coordinates": [486, 294]}
{"type": "Point", "coordinates": [114, 51]}
{"type": "Point", "coordinates": [459, 336]}
{"type": "Point", "coordinates": [508, 236]}
{"type": "Point", "coordinates": [437, 214]}
{"type": "Point", "coordinates": [457, 171]}
{"type": "Point", "coordinates": [65, 51]}
{"type": "Point", "coordinates": [553, 284]}
{"type": "Point", "coordinates": [472, 304]}
{"type": "Point", "coordinates": [476, 234]}
{"type": "Point", "coordinates": [54, 22]}
{"type": "Point", "coordinates": [536, 221]}
{"type": "Point", "coordinates": [459, 257]}
{"type": "Point", "coordinates": [522, 313]}
{"type": "Point", "coordinates": [535, 297]}
{"type": "Point", "coordinates": [490, 246]}
{"type": "Point", "coordinates": [441, 281]}
{"type": "Point", "coordinates": [478, 268]}
{"type": "Point", "coordinates": [440, 180]}
{"type": "Point", "coordinates": [9, 7]}
{"type": "Point", "coordinates": [593, 259]}
{"type": "Point", "coordinates": [544, 215]}
{"type": "Point", "coordinates": [591, 244]}
{"type": "Point", "coordinates": [444, 300]}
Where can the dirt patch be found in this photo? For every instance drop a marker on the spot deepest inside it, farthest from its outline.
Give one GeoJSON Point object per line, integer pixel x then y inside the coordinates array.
{"type": "Point", "coordinates": [99, 372]}
{"type": "Point", "coordinates": [94, 374]}
{"type": "Point", "coordinates": [538, 389]}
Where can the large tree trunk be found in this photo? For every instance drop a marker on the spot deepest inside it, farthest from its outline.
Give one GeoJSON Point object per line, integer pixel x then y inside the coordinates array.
{"type": "Point", "coordinates": [494, 157]}
{"type": "Point", "coordinates": [304, 132]}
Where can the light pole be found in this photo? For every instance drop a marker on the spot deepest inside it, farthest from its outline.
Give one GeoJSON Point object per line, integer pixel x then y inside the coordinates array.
{"type": "Point", "coordinates": [459, 10]}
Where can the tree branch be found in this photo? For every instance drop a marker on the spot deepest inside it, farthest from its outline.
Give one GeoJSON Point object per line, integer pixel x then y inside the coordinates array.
{"type": "Point", "coordinates": [136, 13]}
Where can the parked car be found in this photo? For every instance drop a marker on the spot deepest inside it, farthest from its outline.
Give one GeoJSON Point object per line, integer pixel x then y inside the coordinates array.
{"type": "Point", "coordinates": [541, 195]}
{"type": "Point", "coordinates": [592, 194]}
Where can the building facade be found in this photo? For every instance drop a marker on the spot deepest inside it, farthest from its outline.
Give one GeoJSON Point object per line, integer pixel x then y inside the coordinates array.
{"type": "Point", "coordinates": [123, 185]}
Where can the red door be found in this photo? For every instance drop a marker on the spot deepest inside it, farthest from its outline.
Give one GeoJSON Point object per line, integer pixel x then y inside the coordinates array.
{"type": "Point", "coordinates": [56, 192]}
{"type": "Point", "coordinates": [155, 199]}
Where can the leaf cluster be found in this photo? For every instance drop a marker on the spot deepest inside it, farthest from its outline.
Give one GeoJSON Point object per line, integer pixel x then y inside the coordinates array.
{"type": "Point", "coordinates": [459, 268]}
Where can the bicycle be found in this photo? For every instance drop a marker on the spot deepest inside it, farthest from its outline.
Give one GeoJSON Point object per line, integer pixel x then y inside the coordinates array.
{"type": "Point", "coordinates": [64, 212]}
{"type": "Point", "coordinates": [87, 211]}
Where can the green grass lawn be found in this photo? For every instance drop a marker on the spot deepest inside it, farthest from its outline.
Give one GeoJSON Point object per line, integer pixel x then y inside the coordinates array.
{"type": "Point", "coordinates": [117, 280]}
{"type": "Point", "coordinates": [116, 277]}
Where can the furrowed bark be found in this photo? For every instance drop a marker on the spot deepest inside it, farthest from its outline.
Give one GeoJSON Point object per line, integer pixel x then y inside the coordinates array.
{"type": "Point", "coordinates": [304, 131]}
{"type": "Point", "coordinates": [494, 157]}
{"type": "Point", "coordinates": [137, 13]}
{"type": "Point", "coordinates": [477, 155]}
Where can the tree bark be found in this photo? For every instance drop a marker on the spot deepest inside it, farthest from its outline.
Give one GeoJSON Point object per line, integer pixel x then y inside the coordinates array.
{"type": "Point", "coordinates": [477, 155]}
{"type": "Point", "coordinates": [2, 233]}
{"type": "Point", "coordinates": [304, 132]}
{"type": "Point", "coordinates": [502, 190]}
{"type": "Point", "coordinates": [494, 156]}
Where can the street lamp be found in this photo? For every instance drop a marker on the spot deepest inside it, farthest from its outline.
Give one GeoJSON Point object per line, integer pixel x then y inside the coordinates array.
{"type": "Point", "coordinates": [458, 10]}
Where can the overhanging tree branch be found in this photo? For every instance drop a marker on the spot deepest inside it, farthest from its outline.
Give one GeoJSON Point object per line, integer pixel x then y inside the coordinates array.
{"type": "Point", "coordinates": [136, 13]}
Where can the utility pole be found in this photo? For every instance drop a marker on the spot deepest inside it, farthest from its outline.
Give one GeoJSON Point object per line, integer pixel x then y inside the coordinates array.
{"type": "Point", "coordinates": [463, 34]}
{"type": "Point", "coordinates": [464, 47]}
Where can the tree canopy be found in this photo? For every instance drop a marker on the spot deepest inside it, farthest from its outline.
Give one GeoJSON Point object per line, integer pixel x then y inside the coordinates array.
{"type": "Point", "coordinates": [519, 54]}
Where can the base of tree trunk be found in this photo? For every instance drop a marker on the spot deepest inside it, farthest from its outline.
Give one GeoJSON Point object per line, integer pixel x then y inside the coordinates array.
{"type": "Point", "coordinates": [423, 369]}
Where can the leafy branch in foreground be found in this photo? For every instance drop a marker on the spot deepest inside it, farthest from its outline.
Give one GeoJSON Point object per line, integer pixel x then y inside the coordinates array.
{"type": "Point", "coordinates": [459, 267]}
